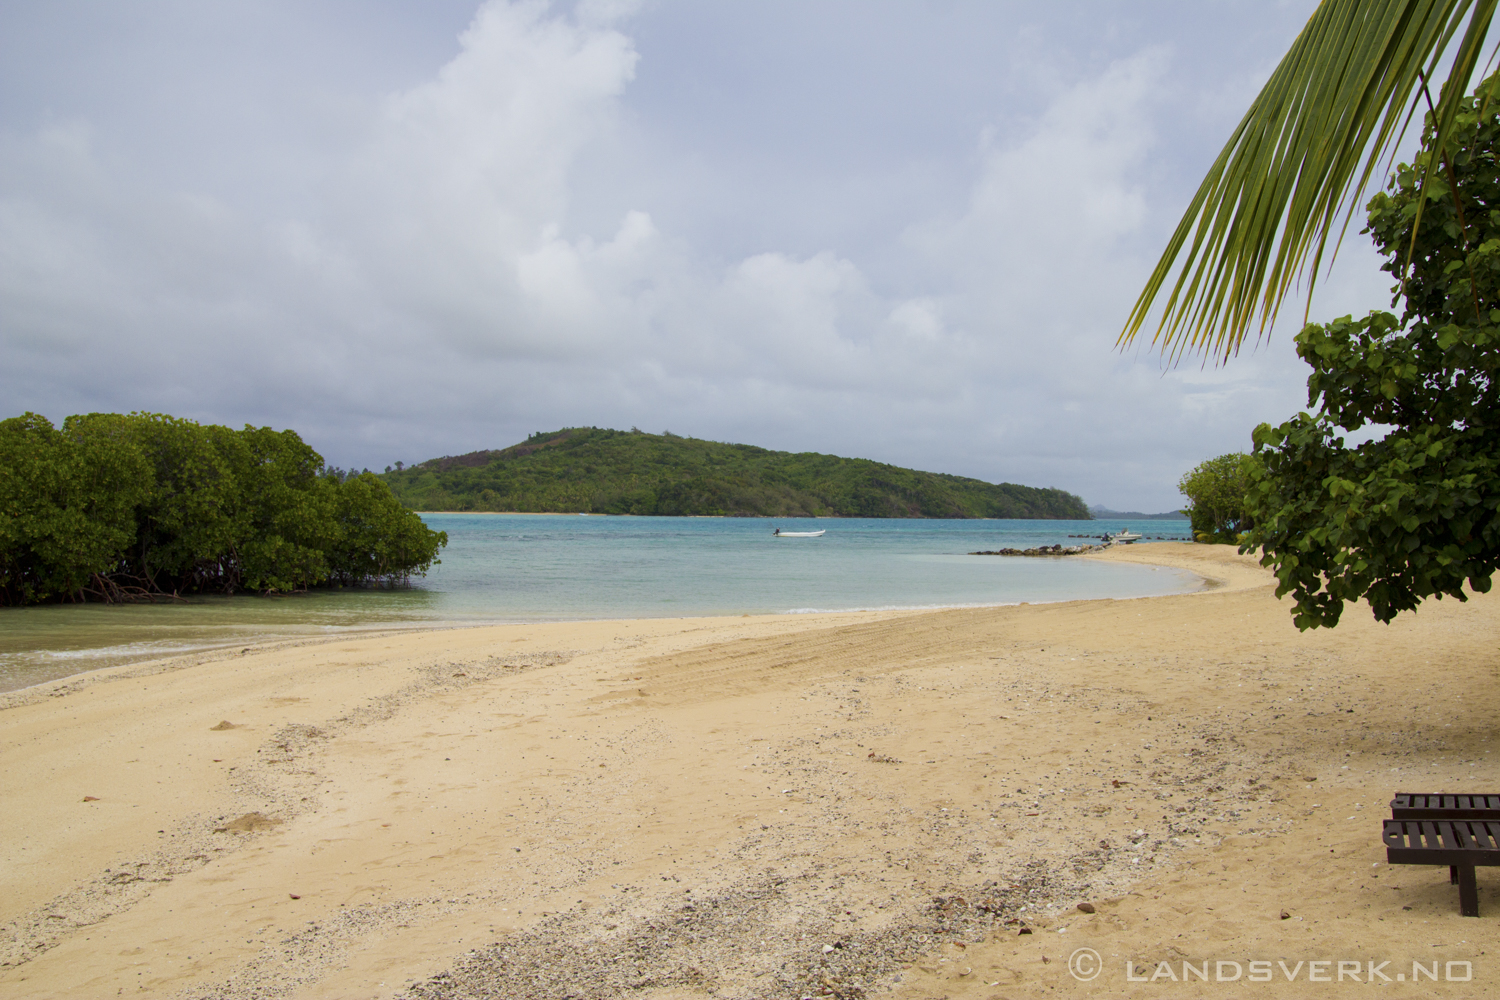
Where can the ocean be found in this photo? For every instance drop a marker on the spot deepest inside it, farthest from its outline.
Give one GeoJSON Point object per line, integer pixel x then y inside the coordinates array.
{"type": "Point", "coordinates": [501, 568]}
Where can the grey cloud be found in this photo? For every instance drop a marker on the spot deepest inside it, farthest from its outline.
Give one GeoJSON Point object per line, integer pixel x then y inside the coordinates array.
{"type": "Point", "coordinates": [537, 230]}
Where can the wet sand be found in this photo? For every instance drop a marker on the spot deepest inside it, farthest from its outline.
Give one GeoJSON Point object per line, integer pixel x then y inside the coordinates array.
{"type": "Point", "coordinates": [834, 805]}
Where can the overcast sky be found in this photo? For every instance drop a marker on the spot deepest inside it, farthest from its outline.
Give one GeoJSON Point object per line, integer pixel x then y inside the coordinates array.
{"type": "Point", "coordinates": [901, 231]}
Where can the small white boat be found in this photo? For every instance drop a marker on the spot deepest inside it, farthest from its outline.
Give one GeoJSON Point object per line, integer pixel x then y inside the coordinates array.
{"type": "Point", "coordinates": [1126, 537]}
{"type": "Point", "coordinates": [797, 534]}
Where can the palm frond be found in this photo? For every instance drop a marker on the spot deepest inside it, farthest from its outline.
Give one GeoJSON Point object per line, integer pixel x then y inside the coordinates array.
{"type": "Point", "coordinates": [1302, 156]}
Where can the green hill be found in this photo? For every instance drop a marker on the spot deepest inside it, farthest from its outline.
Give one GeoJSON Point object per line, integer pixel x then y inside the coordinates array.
{"type": "Point", "coordinates": [1172, 515]}
{"type": "Point", "coordinates": [630, 472]}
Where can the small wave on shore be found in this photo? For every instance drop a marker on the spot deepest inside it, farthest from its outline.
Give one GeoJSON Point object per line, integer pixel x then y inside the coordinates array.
{"type": "Point", "coordinates": [514, 569]}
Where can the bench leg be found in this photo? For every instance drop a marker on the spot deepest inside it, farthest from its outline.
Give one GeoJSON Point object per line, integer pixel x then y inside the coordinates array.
{"type": "Point", "coordinates": [1453, 874]}
{"type": "Point", "coordinates": [1468, 891]}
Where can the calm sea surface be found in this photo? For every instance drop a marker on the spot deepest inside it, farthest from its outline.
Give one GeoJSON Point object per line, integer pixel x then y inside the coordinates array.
{"type": "Point", "coordinates": [530, 568]}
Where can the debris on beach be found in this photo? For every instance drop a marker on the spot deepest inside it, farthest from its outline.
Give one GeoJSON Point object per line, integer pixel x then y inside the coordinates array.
{"type": "Point", "coordinates": [251, 822]}
{"type": "Point", "coordinates": [1143, 538]}
{"type": "Point", "coordinates": [1044, 550]}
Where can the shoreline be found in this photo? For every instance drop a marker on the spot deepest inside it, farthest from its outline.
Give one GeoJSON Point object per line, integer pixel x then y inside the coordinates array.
{"type": "Point", "coordinates": [752, 807]}
{"type": "Point", "coordinates": [786, 517]}
{"type": "Point", "coordinates": [356, 630]}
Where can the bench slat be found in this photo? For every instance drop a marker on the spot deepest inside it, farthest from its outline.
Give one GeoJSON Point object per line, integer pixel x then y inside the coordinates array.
{"type": "Point", "coordinates": [1434, 805]}
{"type": "Point", "coordinates": [1441, 842]}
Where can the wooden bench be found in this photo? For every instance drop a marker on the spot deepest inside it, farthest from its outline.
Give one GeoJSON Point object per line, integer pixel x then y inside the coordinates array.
{"type": "Point", "coordinates": [1460, 831]}
{"type": "Point", "coordinates": [1412, 805]}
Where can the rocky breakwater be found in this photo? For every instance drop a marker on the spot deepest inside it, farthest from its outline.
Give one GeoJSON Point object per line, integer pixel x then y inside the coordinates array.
{"type": "Point", "coordinates": [1044, 550]}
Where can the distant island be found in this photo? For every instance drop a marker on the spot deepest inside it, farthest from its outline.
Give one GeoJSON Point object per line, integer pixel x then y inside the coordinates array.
{"type": "Point", "coordinates": [1171, 515]}
{"type": "Point", "coordinates": [601, 471]}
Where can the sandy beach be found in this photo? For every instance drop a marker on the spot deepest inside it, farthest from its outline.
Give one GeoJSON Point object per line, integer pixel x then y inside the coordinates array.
{"type": "Point", "coordinates": [895, 804]}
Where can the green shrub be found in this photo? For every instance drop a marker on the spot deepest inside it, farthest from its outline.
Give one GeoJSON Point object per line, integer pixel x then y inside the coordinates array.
{"type": "Point", "coordinates": [114, 507]}
{"type": "Point", "coordinates": [1216, 497]}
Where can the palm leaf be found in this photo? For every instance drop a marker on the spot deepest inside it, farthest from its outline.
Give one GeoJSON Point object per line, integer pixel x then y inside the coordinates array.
{"type": "Point", "coordinates": [1303, 155]}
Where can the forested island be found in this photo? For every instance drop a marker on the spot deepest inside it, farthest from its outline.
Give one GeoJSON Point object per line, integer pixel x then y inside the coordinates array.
{"type": "Point", "coordinates": [115, 508]}
{"type": "Point", "coordinates": [602, 471]}
{"type": "Point", "coordinates": [1172, 515]}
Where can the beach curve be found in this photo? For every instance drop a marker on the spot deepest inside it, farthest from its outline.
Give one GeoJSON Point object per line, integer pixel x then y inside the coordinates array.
{"type": "Point", "coordinates": [783, 805]}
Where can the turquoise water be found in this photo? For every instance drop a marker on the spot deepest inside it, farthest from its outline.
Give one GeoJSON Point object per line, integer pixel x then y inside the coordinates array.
{"type": "Point", "coordinates": [531, 568]}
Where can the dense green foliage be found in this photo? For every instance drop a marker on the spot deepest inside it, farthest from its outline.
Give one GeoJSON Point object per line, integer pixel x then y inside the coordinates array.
{"type": "Point", "coordinates": [1415, 513]}
{"type": "Point", "coordinates": [1216, 493]}
{"type": "Point", "coordinates": [629, 472]}
{"type": "Point", "coordinates": [113, 507]}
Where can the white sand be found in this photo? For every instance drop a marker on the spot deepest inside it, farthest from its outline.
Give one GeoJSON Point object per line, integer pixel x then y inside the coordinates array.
{"type": "Point", "coordinates": [694, 808]}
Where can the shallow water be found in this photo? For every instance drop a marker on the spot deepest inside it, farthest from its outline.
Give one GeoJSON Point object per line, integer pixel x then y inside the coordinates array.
{"type": "Point", "coordinates": [534, 568]}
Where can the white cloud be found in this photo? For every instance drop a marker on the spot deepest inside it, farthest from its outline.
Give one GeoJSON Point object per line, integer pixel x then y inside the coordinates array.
{"type": "Point", "coordinates": [432, 288]}
{"type": "Point", "coordinates": [454, 208]}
